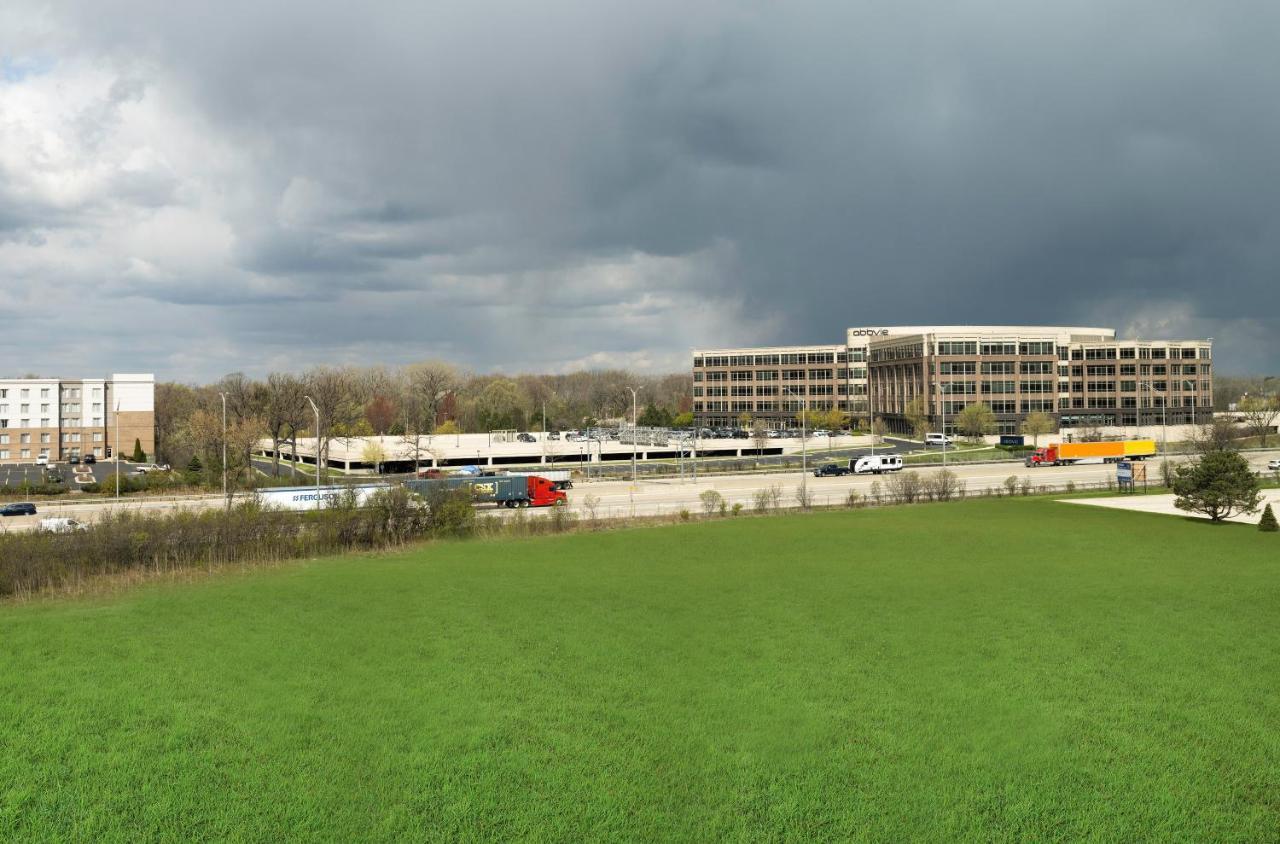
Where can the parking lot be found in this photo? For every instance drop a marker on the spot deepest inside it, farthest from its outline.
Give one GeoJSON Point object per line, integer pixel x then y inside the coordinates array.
{"type": "Point", "coordinates": [15, 475]}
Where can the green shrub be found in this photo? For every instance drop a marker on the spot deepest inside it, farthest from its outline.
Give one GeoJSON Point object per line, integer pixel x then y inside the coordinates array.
{"type": "Point", "coordinates": [1267, 523]}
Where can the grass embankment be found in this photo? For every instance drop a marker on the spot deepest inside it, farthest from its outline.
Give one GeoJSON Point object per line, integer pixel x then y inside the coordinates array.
{"type": "Point", "coordinates": [1015, 669]}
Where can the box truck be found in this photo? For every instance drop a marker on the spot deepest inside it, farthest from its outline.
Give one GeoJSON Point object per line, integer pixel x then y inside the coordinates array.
{"type": "Point", "coordinates": [1063, 454]}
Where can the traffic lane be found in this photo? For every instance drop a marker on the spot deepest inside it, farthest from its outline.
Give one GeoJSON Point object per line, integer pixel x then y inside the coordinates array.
{"type": "Point", "coordinates": [661, 496]}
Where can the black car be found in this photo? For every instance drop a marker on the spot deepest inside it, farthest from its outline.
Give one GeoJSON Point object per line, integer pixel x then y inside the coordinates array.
{"type": "Point", "coordinates": [89, 458]}
{"type": "Point", "coordinates": [22, 509]}
{"type": "Point", "coordinates": [526, 438]}
{"type": "Point", "coordinates": [830, 470]}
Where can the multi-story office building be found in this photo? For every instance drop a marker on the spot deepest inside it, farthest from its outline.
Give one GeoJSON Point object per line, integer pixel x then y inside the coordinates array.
{"type": "Point", "coordinates": [776, 383]}
{"type": "Point", "coordinates": [1083, 376]}
{"type": "Point", "coordinates": [57, 418]}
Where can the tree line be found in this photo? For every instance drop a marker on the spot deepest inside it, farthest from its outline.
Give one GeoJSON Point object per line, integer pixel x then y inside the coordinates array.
{"type": "Point", "coordinates": [411, 402]}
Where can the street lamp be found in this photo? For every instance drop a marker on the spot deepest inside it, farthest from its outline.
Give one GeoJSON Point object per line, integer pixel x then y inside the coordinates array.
{"type": "Point", "coordinates": [117, 451]}
{"type": "Point", "coordinates": [804, 443]}
{"type": "Point", "coordinates": [1164, 414]}
{"type": "Point", "coordinates": [224, 448]}
{"type": "Point", "coordinates": [316, 410]}
{"type": "Point", "coordinates": [634, 432]}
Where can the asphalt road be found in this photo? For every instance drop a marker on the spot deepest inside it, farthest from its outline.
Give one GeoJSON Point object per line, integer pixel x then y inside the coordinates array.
{"type": "Point", "coordinates": [618, 499]}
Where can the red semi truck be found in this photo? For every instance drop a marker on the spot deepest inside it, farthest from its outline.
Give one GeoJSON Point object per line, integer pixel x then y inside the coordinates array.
{"type": "Point", "coordinates": [1061, 454]}
{"type": "Point", "coordinates": [503, 490]}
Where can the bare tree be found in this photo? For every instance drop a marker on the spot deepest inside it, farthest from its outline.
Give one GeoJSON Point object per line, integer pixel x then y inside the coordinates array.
{"type": "Point", "coordinates": [759, 436]}
{"type": "Point", "coordinates": [284, 413]}
{"type": "Point", "coordinates": [1260, 414]}
{"type": "Point", "coordinates": [340, 409]}
{"type": "Point", "coordinates": [422, 387]}
{"type": "Point", "coordinates": [1218, 435]}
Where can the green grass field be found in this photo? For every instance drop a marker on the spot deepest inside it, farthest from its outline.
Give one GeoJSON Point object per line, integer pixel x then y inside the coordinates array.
{"type": "Point", "coordinates": [986, 670]}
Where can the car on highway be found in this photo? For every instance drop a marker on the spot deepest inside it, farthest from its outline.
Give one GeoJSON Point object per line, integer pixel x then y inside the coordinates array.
{"type": "Point", "coordinates": [830, 470]}
{"type": "Point", "coordinates": [24, 508]}
{"type": "Point", "coordinates": [1273, 465]}
{"type": "Point", "coordinates": [61, 524]}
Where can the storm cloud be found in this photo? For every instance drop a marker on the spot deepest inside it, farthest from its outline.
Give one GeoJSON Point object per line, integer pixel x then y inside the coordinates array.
{"type": "Point", "coordinates": [519, 186]}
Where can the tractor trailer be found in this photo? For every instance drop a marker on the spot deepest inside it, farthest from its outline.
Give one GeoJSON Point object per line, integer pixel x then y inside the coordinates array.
{"type": "Point", "coordinates": [503, 490]}
{"type": "Point", "coordinates": [1063, 454]}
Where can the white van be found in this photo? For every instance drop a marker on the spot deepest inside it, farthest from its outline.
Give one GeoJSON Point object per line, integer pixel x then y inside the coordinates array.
{"type": "Point", "coordinates": [42, 460]}
{"type": "Point", "coordinates": [938, 439]}
{"type": "Point", "coordinates": [60, 524]}
{"type": "Point", "coordinates": [875, 464]}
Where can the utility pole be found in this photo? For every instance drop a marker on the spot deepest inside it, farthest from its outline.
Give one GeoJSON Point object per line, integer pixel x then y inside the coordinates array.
{"type": "Point", "coordinates": [117, 452]}
{"type": "Point", "coordinates": [224, 450]}
{"type": "Point", "coordinates": [317, 412]}
{"type": "Point", "coordinates": [634, 433]}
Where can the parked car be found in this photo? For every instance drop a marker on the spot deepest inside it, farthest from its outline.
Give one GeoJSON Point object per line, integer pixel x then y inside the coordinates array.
{"type": "Point", "coordinates": [24, 508]}
{"type": "Point", "coordinates": [554, 435]}
{"type": "Point", "coordinates": [821, 433]}
{"type": "Point", "coordinates": [938, 439]}
{"type": "Point", "coordinates": [830, 470]}
{"type": "Point", "coordinates": [42, 460]}
{"type": "Point", "coordinates": [89, 458]}
{"type": "Point", "coordinates": [61, 524]}
{"type": "Point", "coordinates": [149, 467]}
{"type": "Point", "coordinates": [526, 438]}
{"type": "Point", "coordinates": [773, 433]}
{"type": "Point", "coordinates": [74, 460]}
{"type": "Point", "coordinates": [1273, 465]}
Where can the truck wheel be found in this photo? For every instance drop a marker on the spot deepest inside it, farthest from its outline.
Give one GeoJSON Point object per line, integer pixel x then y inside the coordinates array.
{"type": "Point", "coordinates": [524, 502]}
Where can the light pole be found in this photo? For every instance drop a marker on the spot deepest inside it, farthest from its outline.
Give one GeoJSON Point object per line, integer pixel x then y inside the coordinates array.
{"type": "Point", "coordinates": [634, 432]}
{"type": "Point", "coordinates": [804, 443]}
{"type": "Point", "coordinates": [1164, 414]}
{"type": "Point", "coordinates": [316, 410]}
{"type": "Point", "coordinates": [943, 402]}
{"type": "Point", "coordinates": [117, 451]}
{"type": "Point", "coordinates": [224, 448]}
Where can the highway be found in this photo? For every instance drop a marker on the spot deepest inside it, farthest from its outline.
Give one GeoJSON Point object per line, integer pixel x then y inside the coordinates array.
{"type": "Point", "coordinates": [614, 499]}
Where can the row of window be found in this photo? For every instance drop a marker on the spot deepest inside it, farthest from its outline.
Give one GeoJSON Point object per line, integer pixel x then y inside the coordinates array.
{"type": "Point", "coordinates": [47, 422]}
{"type": "Point", "coordinates": [46, 392]}
{"type": "Point", "coordinates": [769, 360]}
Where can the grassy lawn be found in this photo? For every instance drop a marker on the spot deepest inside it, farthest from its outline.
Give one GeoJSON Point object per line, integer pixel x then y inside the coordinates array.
{"type": "Point", "coordinates": [985, 670]}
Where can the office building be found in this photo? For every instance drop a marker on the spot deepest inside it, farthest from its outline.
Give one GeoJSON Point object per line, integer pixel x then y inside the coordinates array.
{"type": "Point", "coordinates": [57, 417]}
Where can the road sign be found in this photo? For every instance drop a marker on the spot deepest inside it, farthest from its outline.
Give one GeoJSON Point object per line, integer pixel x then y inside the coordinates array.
{"type": "Point", "coordinates": [1124, 471]}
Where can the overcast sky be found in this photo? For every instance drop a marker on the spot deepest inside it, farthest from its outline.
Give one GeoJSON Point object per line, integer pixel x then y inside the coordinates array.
{"type": "Point", "coordinates": [555, 185]}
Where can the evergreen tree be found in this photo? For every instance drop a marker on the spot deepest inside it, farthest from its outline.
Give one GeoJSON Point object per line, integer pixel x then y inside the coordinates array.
{"type": "Point", "coordinates": [139, 456]}
{"type": "Point", "coordinates": [1221, 484]}
{"type": "Point", "coordinates": [1268, 521]}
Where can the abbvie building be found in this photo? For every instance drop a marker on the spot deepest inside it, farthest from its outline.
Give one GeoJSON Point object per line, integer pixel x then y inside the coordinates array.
{"type": "Point", "coordinates": [1084, 377]}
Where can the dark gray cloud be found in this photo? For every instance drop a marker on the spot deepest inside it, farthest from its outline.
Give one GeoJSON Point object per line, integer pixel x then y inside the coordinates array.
{"type": "Point", "coordinates": [520, 185]}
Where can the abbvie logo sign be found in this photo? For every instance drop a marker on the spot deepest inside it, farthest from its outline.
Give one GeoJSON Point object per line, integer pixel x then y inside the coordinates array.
{"type": "Point", "coordinates": [868, 332]}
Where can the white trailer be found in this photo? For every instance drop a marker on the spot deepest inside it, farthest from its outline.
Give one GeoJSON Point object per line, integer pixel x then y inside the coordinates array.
{"type": "Point", "coordinates": [305, 498]}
